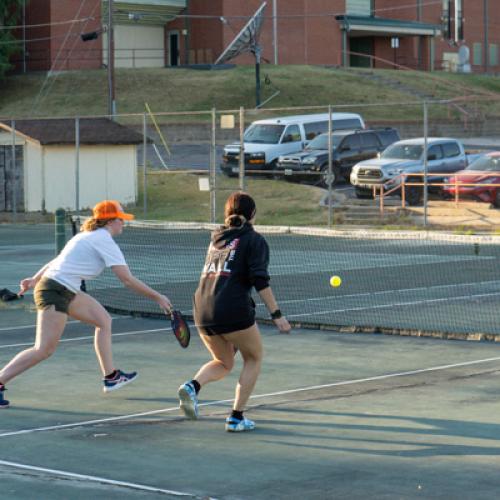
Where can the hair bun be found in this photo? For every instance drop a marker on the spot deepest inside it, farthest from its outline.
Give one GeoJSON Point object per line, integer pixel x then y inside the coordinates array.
{"type": "Point", "coordinates": [235, 220]}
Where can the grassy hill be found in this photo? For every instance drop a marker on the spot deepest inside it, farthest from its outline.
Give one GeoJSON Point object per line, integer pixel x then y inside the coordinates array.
{"type": "Point", "coordinates": [165, 89]}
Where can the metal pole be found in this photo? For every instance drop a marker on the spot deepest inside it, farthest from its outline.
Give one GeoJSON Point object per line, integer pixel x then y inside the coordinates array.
{"type": "Point", "coordinates": [330, 211]}
{"type": "Point", "coordinates": [144, 169]}
{"type": "Point", "coordinates": [14, 171]}
{"type": "Point", "coordinates": [242, 149]}
{"type": "Point", "coordinates": [426, 133]}
{"type": "Point", "coordinates": [77, 165]}
{"type": "Point", "coordinates": [60, 230]}
{"type": "Point", "coordinates": [257, 76]}
{"type": "Point", "coordinates": [275, 30]}
{"type": "Point", "coordinates": [213, 191]}
{"type": "Point", "coordinates": [111, 62]}
{"type": "Point", "coordinates": [24, 37]}
{"type": "Point", "coordinates": [486, 36]}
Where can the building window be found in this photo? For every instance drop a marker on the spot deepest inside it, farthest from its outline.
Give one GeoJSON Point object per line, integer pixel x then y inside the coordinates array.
{"type": "Point", "coordinates": [453, 20]}
{"type": "Point", "coordinates": [493, 54]}
{"type": "Point", "coordinates": [477, 54]}
{"type": "Point", "coordinates": [359, 7]}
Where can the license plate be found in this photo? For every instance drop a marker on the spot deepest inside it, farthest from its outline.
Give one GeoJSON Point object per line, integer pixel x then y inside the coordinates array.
{"type": "Point", "coordinates": [236, 170]}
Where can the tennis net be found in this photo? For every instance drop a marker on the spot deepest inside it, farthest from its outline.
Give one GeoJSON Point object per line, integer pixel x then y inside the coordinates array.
{"type": "Point", "coordinates": [420, 283]}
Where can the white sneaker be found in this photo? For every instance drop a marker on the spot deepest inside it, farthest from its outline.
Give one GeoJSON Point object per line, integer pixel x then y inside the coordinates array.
{"type": "Point", "coordinates": [188, 400]}
{"type": "Point", "coordinates": [235, 425]}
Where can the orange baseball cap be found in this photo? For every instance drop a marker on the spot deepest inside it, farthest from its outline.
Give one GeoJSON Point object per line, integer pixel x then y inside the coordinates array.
{"type": "Point", "coordinates": [110, 209]}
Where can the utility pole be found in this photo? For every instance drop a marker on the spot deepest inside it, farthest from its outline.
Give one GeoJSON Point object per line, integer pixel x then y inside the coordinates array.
{"type": "Point", "coordinates": [275, 31]}
{"type": "Point", "coordinates": [111, 62]}
{"type": "Point", "coordinates": [486, 36]}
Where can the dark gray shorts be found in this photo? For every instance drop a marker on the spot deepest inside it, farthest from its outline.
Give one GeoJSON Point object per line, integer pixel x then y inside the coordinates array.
{"type": "Point", "coordinates": [222, 329]}
{"type": "Point", "coordinates": [51, 293]}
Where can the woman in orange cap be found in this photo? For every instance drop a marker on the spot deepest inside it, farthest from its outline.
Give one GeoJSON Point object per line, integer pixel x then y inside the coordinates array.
{"type": "Point", "coordinates": [57, 295]}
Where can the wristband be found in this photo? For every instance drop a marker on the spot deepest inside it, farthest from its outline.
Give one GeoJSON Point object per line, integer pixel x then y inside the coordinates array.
{"type": "Point", "coordinates": [276, 314]}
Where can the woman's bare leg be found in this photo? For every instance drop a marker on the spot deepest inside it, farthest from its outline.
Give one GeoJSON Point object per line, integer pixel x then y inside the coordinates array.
{"type": "Point", "coordinates": [49, 329]}
{"type": "Point", "coordinates": [222, 361]}
{"type": "Point", "coordinates": [249, 343]}
{"type": "Point", "coordinates": [85, 308]}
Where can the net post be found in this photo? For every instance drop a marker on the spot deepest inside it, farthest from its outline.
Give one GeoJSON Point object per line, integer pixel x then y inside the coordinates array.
{"type": "Point", "coordinates": [144, 160]}
{"type": "Point", "coordinates": [60, 230]}
{"type": "Point", "coordinates": [77, 165]}
{"type": "Point", "coordinates": [14, 172]}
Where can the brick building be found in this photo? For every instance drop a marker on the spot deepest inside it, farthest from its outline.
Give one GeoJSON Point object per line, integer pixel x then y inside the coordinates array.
{"type": "Point", "coordinates": [374, 33]}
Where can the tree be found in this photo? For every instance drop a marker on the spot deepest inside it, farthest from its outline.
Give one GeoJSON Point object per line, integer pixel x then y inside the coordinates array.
{"type": "Point", "coordinates": [10, 13]}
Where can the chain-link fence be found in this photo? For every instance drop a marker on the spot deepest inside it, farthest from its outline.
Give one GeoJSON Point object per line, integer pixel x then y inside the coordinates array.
{"type": "Point", "coordinates": [182, 166]}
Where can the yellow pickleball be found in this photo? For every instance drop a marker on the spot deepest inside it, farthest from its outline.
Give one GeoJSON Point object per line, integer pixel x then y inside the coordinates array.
{"type": "Point", "coordinates": [335, 281]}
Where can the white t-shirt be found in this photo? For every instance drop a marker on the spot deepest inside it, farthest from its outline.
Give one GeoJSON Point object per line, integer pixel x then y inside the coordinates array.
{"type": "Point", "coordinates": [84, 257]}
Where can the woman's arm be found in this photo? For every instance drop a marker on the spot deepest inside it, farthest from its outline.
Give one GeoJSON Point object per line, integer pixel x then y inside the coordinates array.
{"type": "Point", "coordinates": [28, 283]}
{"type": "Point", "coordinates": [130, 281]}
{"type": "Point", "coordinates": [267, 296]}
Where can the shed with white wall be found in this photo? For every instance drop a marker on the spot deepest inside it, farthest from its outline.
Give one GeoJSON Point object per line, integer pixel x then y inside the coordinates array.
{"type": "Point", "coordinates": [52, 172]}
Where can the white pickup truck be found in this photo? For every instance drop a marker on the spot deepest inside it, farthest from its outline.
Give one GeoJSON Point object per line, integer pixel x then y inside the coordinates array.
{"type": "Point", "coordinates": [444, 156]}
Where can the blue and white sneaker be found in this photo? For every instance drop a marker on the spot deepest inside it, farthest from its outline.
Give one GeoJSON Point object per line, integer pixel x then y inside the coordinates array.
{"type": "Point", "coordinates": [235, 425]}
{"type": "Point", "coordinates": [119, 380]}
{"type": "Point", "coordinates": [3, 402]}
{"type": "Point", "coordinates": [188, 400]}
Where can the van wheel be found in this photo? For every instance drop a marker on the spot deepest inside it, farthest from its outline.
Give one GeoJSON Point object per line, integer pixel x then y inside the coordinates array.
{"type": "Point", "coordinates": [323, 181]}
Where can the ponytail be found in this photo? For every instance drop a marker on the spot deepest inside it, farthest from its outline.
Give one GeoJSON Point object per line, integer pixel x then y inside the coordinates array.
{"type": "Point", "coordinates": [93, 224]}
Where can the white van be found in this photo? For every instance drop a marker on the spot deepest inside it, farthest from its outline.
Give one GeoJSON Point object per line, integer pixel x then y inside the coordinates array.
{"type": "Point", "coordinates": [266, 140]}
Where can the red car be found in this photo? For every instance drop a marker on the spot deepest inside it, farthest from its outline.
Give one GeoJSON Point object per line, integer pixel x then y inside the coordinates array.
{"type": "Point", "coordinates": [485, 170]}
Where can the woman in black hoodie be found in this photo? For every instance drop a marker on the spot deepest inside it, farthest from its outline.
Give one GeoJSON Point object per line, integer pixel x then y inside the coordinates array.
{"type": "Point", "coordinates": [224, 311]}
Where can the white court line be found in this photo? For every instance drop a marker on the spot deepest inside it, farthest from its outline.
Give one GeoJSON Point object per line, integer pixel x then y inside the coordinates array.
{"type": "Point", "coordinates": [397, 304]}
{"type": "Point", "coordinates": [91, 337]}
{"type": "Point", "coordinates": [256, 396]}
{"type": "Point", "coordinates": [68, 323]}
{"type": "Point", "coordinates": [101, 480]}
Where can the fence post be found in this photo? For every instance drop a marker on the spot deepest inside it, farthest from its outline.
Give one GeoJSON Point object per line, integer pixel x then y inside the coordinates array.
{"type": "Point", "coordinates": [213, 187]}
{"type": "Point", "coordinates": [426, 133]}
{"type": "Point", "coordinates": [242, 149]}
{"type": "Point", "coordinates": [330, 168]}
{"type": "Point", "coordinates": [13, 170]}
{"type": "Point", "coordinates": [144, 168]}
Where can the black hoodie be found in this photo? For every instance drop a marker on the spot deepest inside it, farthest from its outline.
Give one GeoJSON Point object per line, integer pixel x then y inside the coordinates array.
{"type": "Point", "coordinates": [236, 257]}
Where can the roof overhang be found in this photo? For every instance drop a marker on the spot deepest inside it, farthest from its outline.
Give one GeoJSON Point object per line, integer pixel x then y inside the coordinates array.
{"type": "Point", "coordinates": [145, 12]}
{"type": "Point", "coordinates": [378, 26]}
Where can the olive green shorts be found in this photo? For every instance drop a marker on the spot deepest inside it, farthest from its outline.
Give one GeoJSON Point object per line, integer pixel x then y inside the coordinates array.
{"type": "Point", "coordinates": [51, 293]}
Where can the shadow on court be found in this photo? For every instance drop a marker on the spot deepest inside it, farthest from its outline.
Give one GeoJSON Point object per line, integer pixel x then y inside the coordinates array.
{"type": "Point", "coordinates": [338, 416]}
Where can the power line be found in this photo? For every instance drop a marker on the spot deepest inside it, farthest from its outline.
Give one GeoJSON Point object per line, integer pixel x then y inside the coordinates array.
{"type": "Point", "coordinates": [58, 23]}
{"type": "Point", "coordinates": [41, 95]}
{"type": "Point", "coordinates": [43, 39]}
{"type": "Point", "coordinates": [201, 16]}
